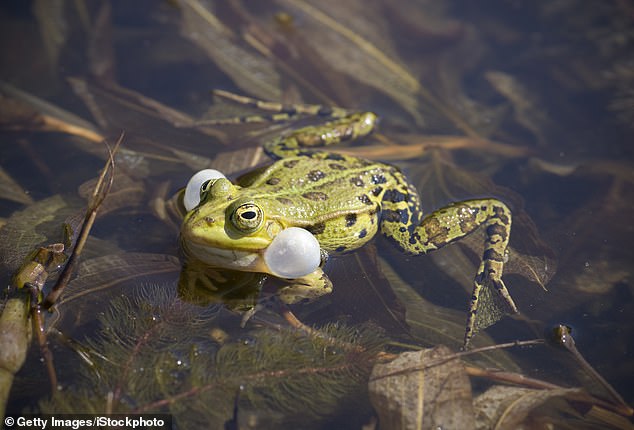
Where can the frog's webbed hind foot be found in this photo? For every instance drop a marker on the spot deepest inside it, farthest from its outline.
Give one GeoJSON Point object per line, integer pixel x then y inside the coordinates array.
{"type": "Point", "coordinates": [490, 301]}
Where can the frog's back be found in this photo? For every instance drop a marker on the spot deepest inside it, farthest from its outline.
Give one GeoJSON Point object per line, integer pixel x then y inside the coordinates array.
{"type": "Point", "coordinates": [335, 197]}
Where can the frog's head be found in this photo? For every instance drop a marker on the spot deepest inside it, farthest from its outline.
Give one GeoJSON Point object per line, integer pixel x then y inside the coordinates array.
{"type": "Point", "coordinates": [228, 228]}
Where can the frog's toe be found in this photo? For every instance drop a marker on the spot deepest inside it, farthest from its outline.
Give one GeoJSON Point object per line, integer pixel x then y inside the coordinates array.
{"type": "Point", "coordinates": [503, 292]}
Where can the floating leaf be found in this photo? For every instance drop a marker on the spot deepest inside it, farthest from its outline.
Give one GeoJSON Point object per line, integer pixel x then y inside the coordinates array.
{"type": "Point", "coordinates": [363, 292]}
{"type": "Point", "coordinates": [425, 398]}
{"type": "Point", "coordinates": [23, 111]}
{"type": "Point", "coordinates": [527, 110]}
{"type": "Point", "coordinates": [252, 72]}
{"type": "Point", "coordinates": [124, 192]}
{"type": "Point", "coordinates": [98, 277]}
{"type": "Point", "coordinates": [238, 161]}
{"type": "Point", "coordinates": [11, 190]}
{"type": "Point", "coordinates": [150, 126]}
{"type": "Point", "coordinates": [351, 37]}
{"type": "Point", "coordinates": [30, 227]}
{"type": "Point", "coordinates": [503, 407]}
{"type": "Point", "coordinates": [54, 29]}
{"type": "Point", "coordinates": [107, 271]}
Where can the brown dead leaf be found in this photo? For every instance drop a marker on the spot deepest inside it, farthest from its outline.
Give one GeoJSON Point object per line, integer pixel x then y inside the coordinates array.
{"type": "Point", "coordinates": [436, 397]}
{"type": "Point", "coordinates": [508, 408]}
{"type": "Point", "coordinates": [20, 110]}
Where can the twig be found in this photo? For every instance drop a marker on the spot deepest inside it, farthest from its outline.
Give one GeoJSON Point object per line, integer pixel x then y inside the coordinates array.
{"type": "Point", "coordinates": [99, 194]}
{"type": "Point", "coordinates": [562, 337]}
{"type": "Point", "coordinates": [38, 330]}
{"type": "Point", "coordinates": [290, 317]}
{"type": "Point", "coordinates": [460, 354]}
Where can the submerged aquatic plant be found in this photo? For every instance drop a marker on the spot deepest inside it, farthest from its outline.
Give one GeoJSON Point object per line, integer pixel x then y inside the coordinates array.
{"type": "Point", "coordinates": [155, 353]}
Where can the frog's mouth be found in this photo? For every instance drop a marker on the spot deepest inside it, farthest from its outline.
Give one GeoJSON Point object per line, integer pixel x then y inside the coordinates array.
{"type": "Point", "coordinates": [246, 261]}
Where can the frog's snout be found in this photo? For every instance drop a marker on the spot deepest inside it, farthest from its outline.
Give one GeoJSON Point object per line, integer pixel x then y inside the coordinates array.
{"type": "Point", "coordinates": [198, 226]}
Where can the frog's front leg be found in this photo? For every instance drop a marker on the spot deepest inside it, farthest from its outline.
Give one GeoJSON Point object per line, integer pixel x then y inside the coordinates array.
{"type": "Point", "coordinates": [306, 288]}
{"type": "Point", "coordinates": [449, 224]}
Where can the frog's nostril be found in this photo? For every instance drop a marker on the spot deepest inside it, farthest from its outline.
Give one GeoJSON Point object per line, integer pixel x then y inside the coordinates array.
{"type": "Point", "coordinates": [209, 220]}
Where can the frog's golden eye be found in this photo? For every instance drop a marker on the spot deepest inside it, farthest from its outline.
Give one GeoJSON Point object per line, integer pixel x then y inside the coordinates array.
{"type": "Point", "coordinates": [205, 186]}
{"type": "Point", "coordinates": [247, 217]}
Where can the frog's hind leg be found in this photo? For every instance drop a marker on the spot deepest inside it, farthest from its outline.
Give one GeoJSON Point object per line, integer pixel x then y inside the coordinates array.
{"type": "Point", "coordinates": [292, 109]}
{"type": "Point", "coordinates": [279, 112]}
{"type": "Point", "coordinates": [400, 222]}
{"type": "Point", "coordinates": [307, 141]}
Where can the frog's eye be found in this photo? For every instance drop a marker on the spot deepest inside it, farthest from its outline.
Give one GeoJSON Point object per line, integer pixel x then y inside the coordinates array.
{"type": "Point", "coordinates": [198, 183]}
{"type": "Point", "coordinates": [205, 186]}
{"type": "Point", "coordinates": [247, 217]}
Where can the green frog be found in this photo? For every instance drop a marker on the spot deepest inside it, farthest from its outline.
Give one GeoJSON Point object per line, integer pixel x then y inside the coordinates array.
{"type": "Point", "coordinates": [343, 201]}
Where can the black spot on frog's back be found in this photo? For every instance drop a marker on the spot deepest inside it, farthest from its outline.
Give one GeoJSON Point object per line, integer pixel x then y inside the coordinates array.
{"type": "Point", "coordinates": [394, 196]}
{"type": "Point", "coordinates": [315, 175]}
{"type": "Point", "coordinates": [335, 157]}
{"type": "Point", "coordinates": [365, 199]}
{"type": "Point", "coordinates": [378, 179]}
{"type": "Point", "coordinates": [315, 196]}
{"type": "Point", "coordinates": [399, 215]}
{"type": "Point", "coordinates": [336, 166]}
{"type": "Point", "coordinates": [289, 164]}
{"type": "Point", "coordinates": [317, 229]}
{"type": "Point", "coordinates": [285, 201]}
{"type": "Point", "coordinates": [351, 220]}
{"type": "Point", "coordinates": [356, 181]}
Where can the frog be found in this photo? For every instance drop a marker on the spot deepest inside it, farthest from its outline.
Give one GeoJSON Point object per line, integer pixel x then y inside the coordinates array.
{"type": "Point", "coordinates": [343, 201]}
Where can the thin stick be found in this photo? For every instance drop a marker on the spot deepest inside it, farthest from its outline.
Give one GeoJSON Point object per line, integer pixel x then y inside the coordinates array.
{"type": "Point", "coordinates": [460, 354]}
{"type": "Point", "coordinates": [563, 338]}
{"type": "Point", "coordinates": [290, 317]}
{"type": "Point", "coordinates": [510, 377]}
{"type": "Point", "coordinates": [38, 329]}
{"type": "Point", "coordinates": [99, 194]}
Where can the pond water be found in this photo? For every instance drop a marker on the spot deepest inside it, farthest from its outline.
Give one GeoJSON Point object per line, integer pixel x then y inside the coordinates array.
{"type": "Point", "coordinates": [528, 103]}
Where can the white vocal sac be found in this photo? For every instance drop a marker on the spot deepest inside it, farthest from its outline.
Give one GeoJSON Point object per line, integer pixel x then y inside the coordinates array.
{"type": "Point", "coordinates": [192, 191]}
{"type": "Point", "coordinates": [293, 253]}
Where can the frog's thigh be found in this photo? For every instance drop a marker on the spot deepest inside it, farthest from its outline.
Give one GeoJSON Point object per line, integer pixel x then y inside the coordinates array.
{"type": "Point", "coordinates": [449, 224]}
{"type": "Point", "coordinates": [306, 288]}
